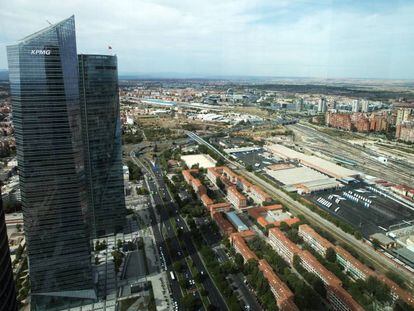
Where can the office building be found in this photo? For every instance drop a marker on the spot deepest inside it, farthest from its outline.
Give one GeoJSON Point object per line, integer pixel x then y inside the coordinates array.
{"type": "Point", "coordinates": [101, 130]}
{"type": "Point", "coordinates": [7, 289]}
{"type": "Point", "coordinates": [299, 104]}
{"type": "Point", "coordinates": [44, 84]}
{"type": "Point", "coordinates": [322, 105]}
{"type": "Point", "coordinates": [356, 105]}
{"type": "Point", "coordinates": [365, 106]}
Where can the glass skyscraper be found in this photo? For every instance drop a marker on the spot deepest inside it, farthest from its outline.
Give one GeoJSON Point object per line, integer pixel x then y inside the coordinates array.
{"type": "Point", "coordinates": [44, 83]}
{"type": "Point", "coordinates": [7, 289]}
{"type": "Point", "coordinates": [101, 129]}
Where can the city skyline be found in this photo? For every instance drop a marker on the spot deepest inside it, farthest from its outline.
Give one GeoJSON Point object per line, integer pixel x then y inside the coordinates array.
{"type": "Point", "coordinates": [323, 39]}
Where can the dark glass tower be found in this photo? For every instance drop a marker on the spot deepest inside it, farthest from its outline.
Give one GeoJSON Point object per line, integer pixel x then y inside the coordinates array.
{"type": "Point", "coordinates": [99, 99]}
{"type": "Point", "coordinates": [7, 289]}
{"type": "Point", "coordinates": [43, 73]}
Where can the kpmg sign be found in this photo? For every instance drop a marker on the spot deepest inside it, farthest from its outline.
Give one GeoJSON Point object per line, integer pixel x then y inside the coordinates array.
{"type": "Point", "coordinates": [40, 52]}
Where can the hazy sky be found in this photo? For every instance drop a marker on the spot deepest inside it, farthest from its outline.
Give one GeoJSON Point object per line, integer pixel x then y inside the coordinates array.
{"type": "Point", "coordinates": [312, 38]}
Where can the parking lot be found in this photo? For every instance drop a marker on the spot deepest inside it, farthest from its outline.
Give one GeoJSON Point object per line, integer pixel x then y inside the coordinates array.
{"type": "Point", "coordinates": [362, 207]}
{"type": "Point", "coordinates": [257, 159]}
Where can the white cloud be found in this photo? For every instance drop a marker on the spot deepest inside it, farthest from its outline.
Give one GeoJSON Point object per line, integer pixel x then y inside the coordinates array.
{"type": "Point", "coordinates": [289, 37]}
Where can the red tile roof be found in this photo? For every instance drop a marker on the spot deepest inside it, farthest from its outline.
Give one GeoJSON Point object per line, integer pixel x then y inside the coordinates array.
{"type": "Point", "coordinates": [328, 277]}
{"type": "Point", "coordinates": [242, 247]}
{"type": "Point", "coordinates": [355, 262]}
{"type": "Point", "coordinates": [308, 230]}
{"type": "Point", "coordinates": [207, 201]}
{"type": "Point", "coordinates": [345, 297]}
{"type": "Point", "coordinates": [283, 292]}
{"type": "Point", "coordinates": [284, 240]}
{"type": "Point", "coordinates": [224, 225]}
{"type": "Point", "coordinates": [397, 290]}
{"type": "Point", "coordinates": [233, 190]}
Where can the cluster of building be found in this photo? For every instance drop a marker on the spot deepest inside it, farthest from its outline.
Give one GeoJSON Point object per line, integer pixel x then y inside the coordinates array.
{"type": "Point", "coordinates": [357, 121]}
{"type": "Point", "coordinates": [230, 224]}
{"type": "Point", "coordinates": [351, 266]}
{"type": "Point", "coordinates": [402, 117]}
{"type": "Point", "coordinates": [189, 92]}
{"type": "Point", "coordinates": [237, 187]}
{"type": "Point", "coordinates": [283, 295]}
{"type": "Point", "coordinates": [198, 187]}
{"type": "Point", "coordinates": [405, 122]}
{"type": "Point", "coordinates": [336, 295]}
{"type": "Point", "coordinates": [272, 216]}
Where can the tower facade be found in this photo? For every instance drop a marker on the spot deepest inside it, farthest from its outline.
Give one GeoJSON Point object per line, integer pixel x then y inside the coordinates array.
{"type": "Point", "coordinates": [44, 83]}
{"type": "Point", "coordinates": [101, 128]}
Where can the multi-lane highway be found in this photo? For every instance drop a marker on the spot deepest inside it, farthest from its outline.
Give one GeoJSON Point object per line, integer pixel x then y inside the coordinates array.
{"type": "Point", "coordinates": [214, 295]}
{"type": "Point", "coordinates": [168, 208]}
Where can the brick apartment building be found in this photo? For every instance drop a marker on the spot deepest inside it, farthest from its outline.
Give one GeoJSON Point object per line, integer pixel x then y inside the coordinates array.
{"type": "Point", "coordinates": [336, 295]}
{"type": "Point", "coordinates": [405, 131]}
{"type": "Point", "coordinates": [237, 199]}
{"type": "Point", "coordinates": [284, 296]}
{"type": "Point", "coordinates": [360, 122]}
{"type": "Point", "coordinates": [351, 265]}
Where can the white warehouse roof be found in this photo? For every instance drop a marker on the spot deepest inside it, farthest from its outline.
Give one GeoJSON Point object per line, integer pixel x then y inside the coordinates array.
{"type": "Point", "coordinates": [314, 162]}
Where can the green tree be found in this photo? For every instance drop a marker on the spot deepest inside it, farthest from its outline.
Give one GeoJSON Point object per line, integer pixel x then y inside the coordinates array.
{"type": "Point", "coordinates": [377, 289]}
{"type": "Point", "coordinates": [284, 226]}
{"type": "Point", "coordinates": [239, 260]}
{"type": "Point", "coordinates": [178, 266]}
{"type": "Point", "coordinates": [330, 255]}
{"type": "Point", "coordinates": [358, 235]}
{"type": "Point", "coordinates": [119, 244]}
{"type": "Point", "coordinates": [319, 287]}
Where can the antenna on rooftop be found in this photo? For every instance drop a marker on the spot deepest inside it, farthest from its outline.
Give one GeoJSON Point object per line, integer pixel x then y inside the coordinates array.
{"type": "Point", "coordinates": [49, 23]}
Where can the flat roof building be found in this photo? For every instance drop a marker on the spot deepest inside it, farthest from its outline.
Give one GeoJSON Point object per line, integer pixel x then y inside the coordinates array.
{"type": "Point", "coordinates": [271, 215]}
{"type": "Point", "coordinates": [236, 221]}
{"type": "Point", "coordinates": [323, 166]}
{"type": "Point", "coordinates": [202, 160]}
